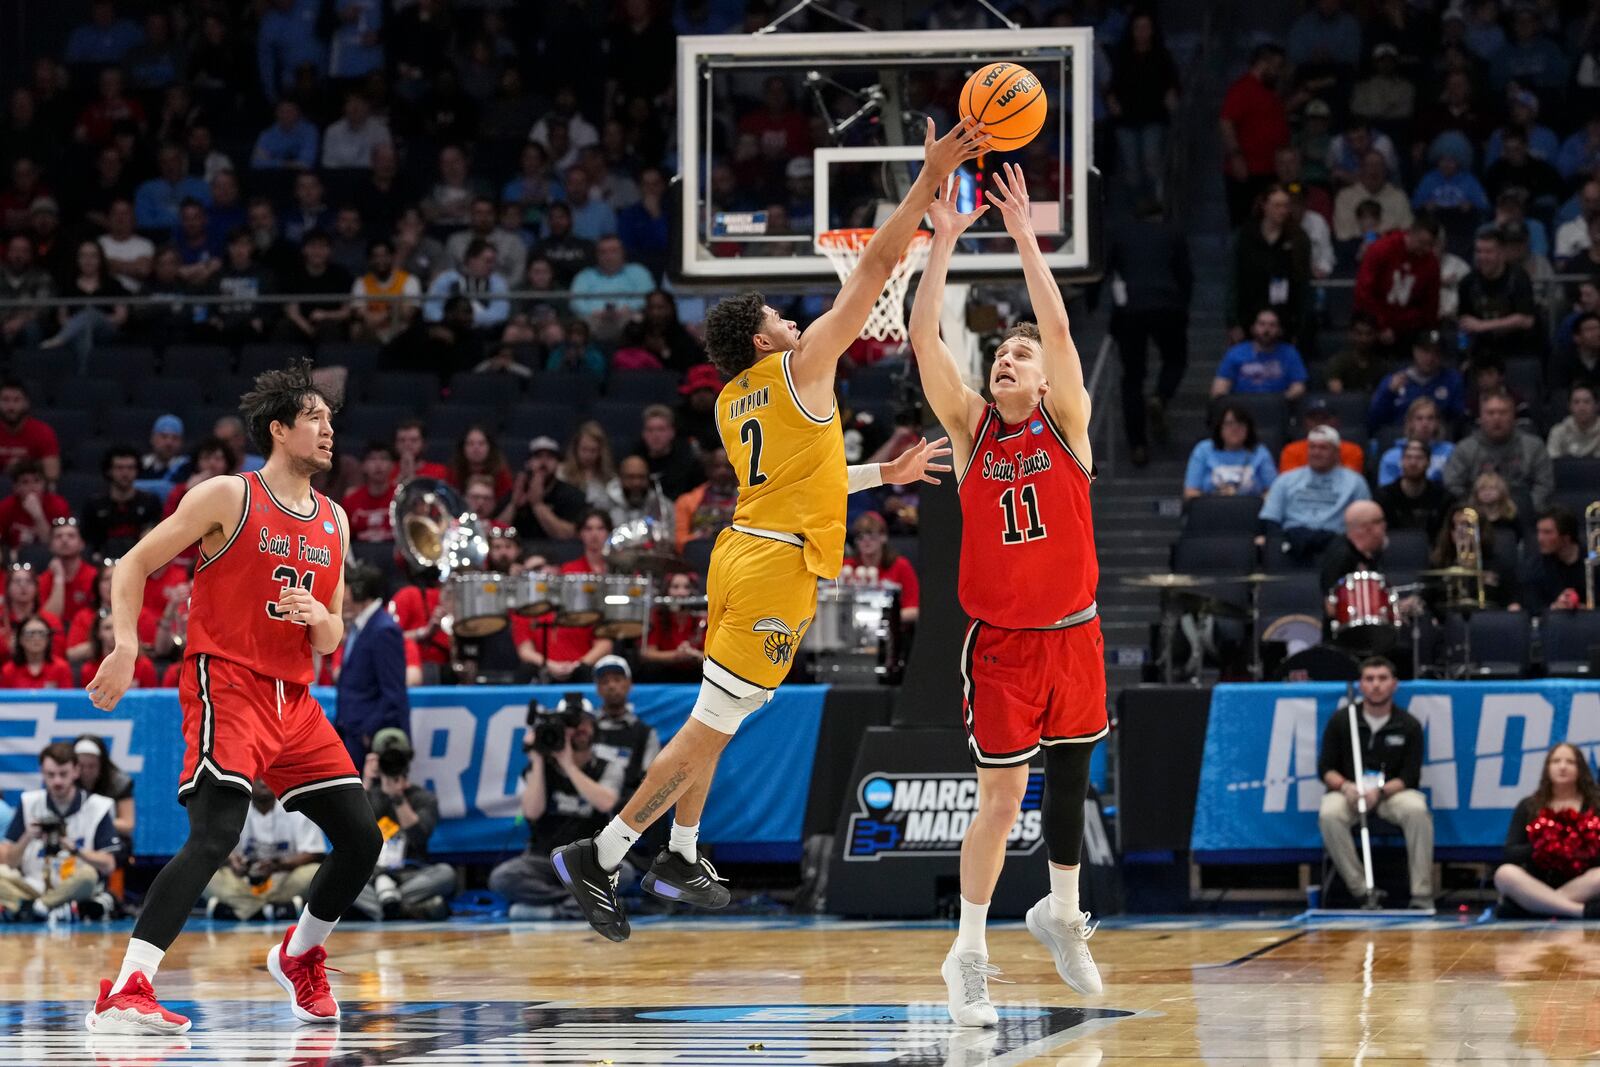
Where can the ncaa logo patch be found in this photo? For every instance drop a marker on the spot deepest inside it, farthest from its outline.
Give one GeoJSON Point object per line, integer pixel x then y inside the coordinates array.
{"type": "Point", "coordinates": [327, 526]}
{"type": "Point", "coordinates": [1036, 427]}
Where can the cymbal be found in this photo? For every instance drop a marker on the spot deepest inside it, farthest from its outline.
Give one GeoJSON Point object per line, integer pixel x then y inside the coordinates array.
{"type": "Point", "coordinates": [1169, 581]}
{"type": "Point", "coordinates": [1449, 572]}
{"type": "Point", "coordinates": [1260, 577]}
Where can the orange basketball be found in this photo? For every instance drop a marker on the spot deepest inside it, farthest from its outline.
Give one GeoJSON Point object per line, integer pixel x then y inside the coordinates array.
{"type": "Point", "coordinates": [1010, 102]}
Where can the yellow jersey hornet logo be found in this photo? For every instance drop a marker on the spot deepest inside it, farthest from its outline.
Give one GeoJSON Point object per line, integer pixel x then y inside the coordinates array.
{"type": "Point", "coordinates": [780, 642]}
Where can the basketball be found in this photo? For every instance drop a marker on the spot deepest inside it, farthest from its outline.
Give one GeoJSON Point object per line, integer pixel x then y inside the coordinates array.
{"type": "Point", "coordinates": [1010, 102]}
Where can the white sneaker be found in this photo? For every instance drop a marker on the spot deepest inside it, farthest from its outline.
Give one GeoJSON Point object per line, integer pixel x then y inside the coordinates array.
{"type": "Point", "coordinates": [966, 978]}
{"type": "Point", "coordinates": [1069, 945]}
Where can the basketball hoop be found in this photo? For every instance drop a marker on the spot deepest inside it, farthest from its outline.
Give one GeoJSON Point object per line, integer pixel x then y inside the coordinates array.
{"type": "Point", "coordinates": [888, 316]}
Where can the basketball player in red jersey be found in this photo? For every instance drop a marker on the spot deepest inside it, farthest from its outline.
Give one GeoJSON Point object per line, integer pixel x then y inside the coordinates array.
{"type": "Point", "coordinates": [267, 592]}
{"type": "Point", "coordinates": [1032, 665]}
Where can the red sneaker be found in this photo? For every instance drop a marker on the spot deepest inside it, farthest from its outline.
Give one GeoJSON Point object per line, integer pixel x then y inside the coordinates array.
{"type": "Point", "coordinates": [133, 1010]}
{"type": "Point", "coordinates": [305, 979]}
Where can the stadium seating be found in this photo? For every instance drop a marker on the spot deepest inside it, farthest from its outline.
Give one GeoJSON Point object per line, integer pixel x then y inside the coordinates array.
{"type": "Point", "coordinates": [1571, 641]}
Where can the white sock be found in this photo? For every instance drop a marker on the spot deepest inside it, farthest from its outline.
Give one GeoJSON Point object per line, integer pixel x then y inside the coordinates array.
{"type": "Point", "coordinates": [684, 841]}
{"type": "Point", "coordinates": [1064, 893]}
{"type": "Point", "coordinates": [309, 932]}
{"type": "Point", "coordinates": [613, 843]}
{"type": "Point", "coordinates": [970, 935]}
{"type": "Point", "coordinates": [141, 956]}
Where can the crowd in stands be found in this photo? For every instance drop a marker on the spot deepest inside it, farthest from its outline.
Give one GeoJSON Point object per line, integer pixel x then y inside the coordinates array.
{"type": "Point", "coordinates": [473, 229]}
{"type": "Point", "coordinates": [1438, 165]}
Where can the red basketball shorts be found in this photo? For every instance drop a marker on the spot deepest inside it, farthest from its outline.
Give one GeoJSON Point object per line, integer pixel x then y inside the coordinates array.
{"type": "Point", "coordinates": [1026, 688]}
{"type": "Point", "coordinates": [239, 726]}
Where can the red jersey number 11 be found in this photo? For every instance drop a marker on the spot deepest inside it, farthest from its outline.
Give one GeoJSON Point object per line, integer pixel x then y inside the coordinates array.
{"type": "Point", "coordinates": [1012, 535]}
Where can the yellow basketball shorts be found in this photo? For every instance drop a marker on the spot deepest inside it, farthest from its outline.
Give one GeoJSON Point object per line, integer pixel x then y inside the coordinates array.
{"type": "Point", "coordinates": [760, 600]}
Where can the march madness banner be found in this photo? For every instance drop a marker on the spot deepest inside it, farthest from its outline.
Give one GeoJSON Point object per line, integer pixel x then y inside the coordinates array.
{"type": "Point", "coordinates": [468, 742]}
{"type": "Point", "coordinates": [1485, 747]}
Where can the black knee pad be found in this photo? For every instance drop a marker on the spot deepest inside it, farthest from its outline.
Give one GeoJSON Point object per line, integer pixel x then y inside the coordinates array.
{"type": "Point", "coordinates": [216, 818]}
{"type": "Point", "coordinates": [1066, 784]}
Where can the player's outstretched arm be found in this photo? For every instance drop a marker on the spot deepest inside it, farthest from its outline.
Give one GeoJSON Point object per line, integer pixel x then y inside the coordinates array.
{"type": "Point", "coordinates": [825, 340]}
{"type": "Point", "coordinates": [954, 403]}
{"type": "Point", "coordinates": [208, 508]}
{"type": "Point", "coordinates": [1068, 400]}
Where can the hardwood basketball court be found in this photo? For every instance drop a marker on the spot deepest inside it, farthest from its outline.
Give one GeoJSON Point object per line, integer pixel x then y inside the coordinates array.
{"type": "Point", "coordinates": [758, 992]}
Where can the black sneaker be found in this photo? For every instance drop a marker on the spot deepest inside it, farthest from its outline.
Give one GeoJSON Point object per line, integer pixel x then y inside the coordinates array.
{"type": "Point", "coordinates": [671, 877]}
{"type": "Point", "coordinates": [593, 887]}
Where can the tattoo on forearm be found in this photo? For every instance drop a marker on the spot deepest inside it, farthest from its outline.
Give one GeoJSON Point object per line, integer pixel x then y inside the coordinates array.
{"type": "Point", "coordinates": [661, 797]}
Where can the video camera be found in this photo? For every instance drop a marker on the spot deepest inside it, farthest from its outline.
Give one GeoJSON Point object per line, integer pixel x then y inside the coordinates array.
{"type": "Point", "coordinates": [547, 727]}
{"type": "Point", "coordinates": [51, 831]}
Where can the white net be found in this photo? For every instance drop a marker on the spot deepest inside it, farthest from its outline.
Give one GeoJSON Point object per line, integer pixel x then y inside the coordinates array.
{"type": "Point", "coordinates": [887, 320]}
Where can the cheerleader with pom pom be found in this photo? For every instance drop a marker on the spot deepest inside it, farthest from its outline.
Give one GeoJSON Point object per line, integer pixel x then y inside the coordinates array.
{"type": "Point", "coordinates": [1552, 864]}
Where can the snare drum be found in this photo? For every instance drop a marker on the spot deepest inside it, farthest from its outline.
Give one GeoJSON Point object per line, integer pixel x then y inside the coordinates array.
{"type": "Point", "coordinates": [1364, 612]}
{"type": "Point", "coordinates": [856, 632]}
{"type": "Point", "coordinates": [477, 604]}
{"type": "Point", "coordinates": [625, 606]}
{"type": "Point", "coordinates": [531, 594]}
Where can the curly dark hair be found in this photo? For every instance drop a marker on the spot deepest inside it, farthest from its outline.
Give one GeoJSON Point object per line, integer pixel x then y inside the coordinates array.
{"type": "Point", "coordinates": [729, 327]}
{"type": "Point", "coordinates": [280, 396]}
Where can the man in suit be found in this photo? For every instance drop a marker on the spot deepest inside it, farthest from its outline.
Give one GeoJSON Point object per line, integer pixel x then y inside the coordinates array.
{"type": "Point", "coordinates": [372, 673]}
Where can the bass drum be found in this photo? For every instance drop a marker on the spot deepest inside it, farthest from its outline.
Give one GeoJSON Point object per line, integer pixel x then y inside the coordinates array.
{"type": "Point", "coordinates": [477, 604]}
{"type": "Point", "coordinates": [855, 636]}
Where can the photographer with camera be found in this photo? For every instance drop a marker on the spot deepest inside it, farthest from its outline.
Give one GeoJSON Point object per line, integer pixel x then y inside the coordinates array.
{"type": "Point", "coordinates": [404, 885]}
{"type": "Point", "coordinates": [619, 733]}
{"type": "Point", "coordinates": [569, 792]}
{"type": "Point", "coordinates": [60, 848]}
{"type": "Point", "coordinates": [270, 870]}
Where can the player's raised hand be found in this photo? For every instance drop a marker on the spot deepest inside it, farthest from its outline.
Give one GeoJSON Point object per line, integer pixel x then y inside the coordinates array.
{"type": "Point", "coordinates": [919, 463]}
{"type": "Point", "coordinates": [1011, 197]}
{"type": "Point", "coordinates": [947, 221]}
{"type": "Point", "coordinates": [966, 141]}
{"type": "Point", "coordinates": [113, 679]}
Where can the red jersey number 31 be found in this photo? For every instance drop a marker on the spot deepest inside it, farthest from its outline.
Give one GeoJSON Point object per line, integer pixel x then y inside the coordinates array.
{"type": "Point", "coordinates": [290, 579]}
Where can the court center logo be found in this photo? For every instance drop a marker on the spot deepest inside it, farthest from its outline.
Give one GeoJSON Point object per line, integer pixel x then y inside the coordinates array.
{"type": "Point", "coordinates": [927, 815]}
{"type": "Point", "coordinates": [780, 642]}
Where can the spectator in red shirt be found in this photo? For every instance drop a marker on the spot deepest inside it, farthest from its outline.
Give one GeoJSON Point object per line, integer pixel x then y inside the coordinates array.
{"type": "Point", "coordinates": [676, 647]}
{"type": "Point", "coordinates": [80, 628]}
{"type": "Point", "coordinates": [22, 604]}
{"type": "Point", "coordinates": [26, 515]}
{"type": "Point", "coordinates": [367, 504]}
{"type": "Point", "coordinates": [24, 437]}
{"type": "Point", "coordinates": [67, 586]}
{"type": "Point", "coordinates": [782, 130]}
{"type": "Point", "coordinates": [1255, 124]}
{"type": "Point", "coordinates": [164, 588]}
{"type": "Point", "coordinates": [478, 453]}
{"type": "Point", "coordinates": [33, 663]}
{"type": "Point", "coordinates": [115, 520]}
{"type": "Point", "coordinates": [98, 122]}
{"type": "Point", "coordinates": [16, 200]}
{"type": "Point", "coordinates": [874, 551]}
{"type": "Point", "coordinates": [1398, 282]}
{"type": "Point", "coordinates": [417, 609]}
{"type": "Point", "coordinates": [568, 653]}
{"type": "Point", "coordinates": [410, 443]}
{"type": "Point", "coordinates": [102, 639]}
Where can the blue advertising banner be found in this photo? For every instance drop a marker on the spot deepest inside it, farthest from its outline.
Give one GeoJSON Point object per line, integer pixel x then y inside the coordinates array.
{"type": "Point", "coordinates": [1485, 748]}
{"type": "Point", "coordinates": [469, 751]}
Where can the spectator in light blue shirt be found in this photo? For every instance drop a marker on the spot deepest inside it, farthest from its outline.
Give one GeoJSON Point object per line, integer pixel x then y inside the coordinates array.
{"type": "Point", "coordinates": [1448, 189]}
{"type": "Point", "coordinates": [476, 280]}
{"type": "Point", "coordinates": [1263, 364]}
{"type": "Point", "coordinates": [105, 39]}
{"type": "Point", "coordinates": [1523, 107]}
{"type": "Point", "coordinates": [156, 202]}
{"type": "Point", "coordinates": [287, 40]}
{"type": "Point", "coordinates": [1426, 376]}
{"type": "Point", "coordinates": [1231, 462]}
{"type": "Point", "coordinates": [1422, 424]}
{"type": "Point", "coordinates": [290, 143]}
{"type": "Point", "coordinates": [612, 291]}
{"type": "Point", "coordinates": [1304, 508]}
{"type": "Point", "coordinates": [357, 48]}
{"type": "Point", "coordinates": [592, 217]}
{"type": "Point", "coordinates": [1530, 58]}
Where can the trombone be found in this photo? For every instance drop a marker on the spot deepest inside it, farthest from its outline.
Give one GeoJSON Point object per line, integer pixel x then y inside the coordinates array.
{"type": "Point", "coordinates": [1467, 534]}
{"type": "Point", "coordinates": [1591, 552]}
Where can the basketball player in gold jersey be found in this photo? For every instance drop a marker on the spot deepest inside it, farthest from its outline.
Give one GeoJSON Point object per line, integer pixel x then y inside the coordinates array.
{"type": "Point", "coordinates": [780, 427]}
